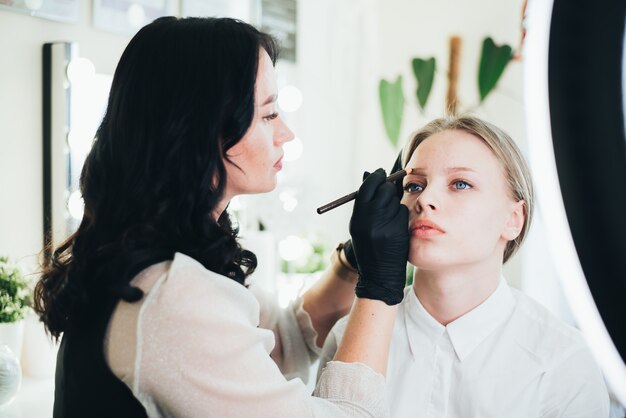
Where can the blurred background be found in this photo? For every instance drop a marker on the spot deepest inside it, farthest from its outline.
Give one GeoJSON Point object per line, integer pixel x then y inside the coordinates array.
{"type": "Point", "coordinates": [336, 54]}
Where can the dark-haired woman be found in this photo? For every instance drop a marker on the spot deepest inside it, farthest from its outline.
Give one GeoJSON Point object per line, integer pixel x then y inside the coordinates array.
{"type": "Point", "coordinates": [149, 292]}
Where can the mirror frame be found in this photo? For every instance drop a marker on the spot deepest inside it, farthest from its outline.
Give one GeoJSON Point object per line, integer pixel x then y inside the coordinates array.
{"type": "Point", "coordinates": [56, 126]}
{"type": "Point", "coordinates": [573, 68]}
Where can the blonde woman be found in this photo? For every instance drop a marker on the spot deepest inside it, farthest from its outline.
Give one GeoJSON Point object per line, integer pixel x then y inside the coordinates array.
{"type": "Point", "coordinates": [465, 344]}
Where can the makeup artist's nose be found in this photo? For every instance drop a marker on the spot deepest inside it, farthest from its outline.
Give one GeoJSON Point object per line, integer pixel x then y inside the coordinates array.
{"type": "Point", "coordinates": [282, 133]}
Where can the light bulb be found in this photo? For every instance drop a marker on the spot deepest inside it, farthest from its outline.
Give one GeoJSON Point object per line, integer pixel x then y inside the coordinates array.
{"type": "Point", "coordinates": [292, 149]}
{"type": "Point", "coordinates": [293, 248]}
{"type": "Point", "coordinates": [290, 98]}
{"type": "Point", "coordinates": [75, 205]}
{"type": "Point", "coordinates": [81, 71]}
{"type": "Point", "coordinates": [136, 15]}
{"type": "Point", "coordinates": [33, 4]}
{"type": "Point", "coordinates": [289, 201]}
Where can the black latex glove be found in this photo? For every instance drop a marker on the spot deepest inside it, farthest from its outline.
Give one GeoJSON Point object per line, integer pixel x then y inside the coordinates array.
{"type": "Point", "coordinates": [397, 165]}
{"type": "Point", "coordinates": [348, 251]}
{"type": "Point", "coordinates": [347, 246]}
{"type": "Point", "coordinates": [380, 239]}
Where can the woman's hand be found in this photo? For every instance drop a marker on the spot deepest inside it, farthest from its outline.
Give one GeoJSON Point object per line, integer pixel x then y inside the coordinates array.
{"type": "Point", "coordinates": [380, 240]}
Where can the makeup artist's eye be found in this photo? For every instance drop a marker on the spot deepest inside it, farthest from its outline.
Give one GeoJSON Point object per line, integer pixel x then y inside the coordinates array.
{"type": "Point", "coordinates": [270, 117]}
{"type": "Point", "coordinates": [461, 185]}
{"type": "Point", "coordinates": [413, 188]}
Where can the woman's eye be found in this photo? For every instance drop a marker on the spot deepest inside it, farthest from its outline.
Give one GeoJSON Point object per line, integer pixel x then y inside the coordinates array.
{"type": "Point", "coordinates": [270, 117]}
{"type": "Point", "coordinates": [413, 188]}
{"type": "Point", "coordinates": [461, 185]}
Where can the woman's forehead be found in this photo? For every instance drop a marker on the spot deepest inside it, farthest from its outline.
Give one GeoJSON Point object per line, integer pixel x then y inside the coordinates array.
{"type": "Point", "coordinates": [454, 145]}
{"type": "Point", "coordinates": [265, 85]}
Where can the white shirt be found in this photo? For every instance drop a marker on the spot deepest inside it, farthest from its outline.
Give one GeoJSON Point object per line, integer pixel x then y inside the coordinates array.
{"type": "Point", "coordinates": [199, 345]}
{"type": "Point", "coordinates": [508, 357]}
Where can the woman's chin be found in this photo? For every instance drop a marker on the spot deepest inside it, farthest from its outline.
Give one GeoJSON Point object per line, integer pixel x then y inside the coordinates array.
{"type": "Point", "coordinates": [267, 188]}
{"type": "Point", "coordinates": [426, 261]}
{"type": "Point", "coordinates": [271, 186]}
{"type": "Point", "coordinates": [264, 187]}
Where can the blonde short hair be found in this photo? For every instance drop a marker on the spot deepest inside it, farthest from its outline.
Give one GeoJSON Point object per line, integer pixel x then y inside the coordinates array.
{"type": "Point", "coordinates": [513, 163]}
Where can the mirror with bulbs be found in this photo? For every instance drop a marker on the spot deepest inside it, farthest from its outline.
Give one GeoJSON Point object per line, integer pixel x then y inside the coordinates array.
{"type": "Point", "coordinates": [74, 99]}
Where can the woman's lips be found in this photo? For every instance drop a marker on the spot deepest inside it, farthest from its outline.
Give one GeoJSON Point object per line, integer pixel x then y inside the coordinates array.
{"type": "Point", "coordinates": [279, 164]}
{"type": "Point", "coordinates": [426, 229]}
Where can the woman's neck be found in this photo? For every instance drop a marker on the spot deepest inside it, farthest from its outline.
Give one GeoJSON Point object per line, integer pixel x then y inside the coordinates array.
{"type": "Point", "coordinates": [220, 208]}
{"type": "Point", "coordinates": [449, 294]}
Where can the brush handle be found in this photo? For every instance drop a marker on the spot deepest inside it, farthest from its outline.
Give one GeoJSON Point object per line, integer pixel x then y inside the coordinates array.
{"type": "Point", "coordinates": [335, 203]}
{"type": "Point", "coordinates": [349, 197]}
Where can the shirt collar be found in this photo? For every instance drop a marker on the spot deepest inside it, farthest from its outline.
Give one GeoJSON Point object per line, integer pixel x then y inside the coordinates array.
{"type": "Point", "coordinates": [466, 332]}
{"type": "Point", "coordinates": [421, 327]}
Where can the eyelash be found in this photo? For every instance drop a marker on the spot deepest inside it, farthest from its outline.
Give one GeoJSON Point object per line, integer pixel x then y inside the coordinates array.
{"type": "Point", "coordinates": [469, 186]}
{"type": "Point", "coordinates": [270, 117]}
{"type": "Point", "coordinates": [409, 185]}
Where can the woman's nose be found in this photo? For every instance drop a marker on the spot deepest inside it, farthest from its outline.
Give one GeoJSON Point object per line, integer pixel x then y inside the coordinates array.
{"type": "Point", "coordinates": [426, 201]}
{"type": "Point", "coordinates": [282, 133]}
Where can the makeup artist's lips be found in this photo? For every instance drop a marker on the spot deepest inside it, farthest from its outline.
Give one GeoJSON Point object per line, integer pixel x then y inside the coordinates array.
{"type": "Point", "coordinates": [279, 164]}
{"type": "Point", "coordinates": [426, 229]}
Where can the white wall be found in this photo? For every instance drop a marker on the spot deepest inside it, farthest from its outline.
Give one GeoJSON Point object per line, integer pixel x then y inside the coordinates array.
{"type": "Point", "coordinates": [21, 184]}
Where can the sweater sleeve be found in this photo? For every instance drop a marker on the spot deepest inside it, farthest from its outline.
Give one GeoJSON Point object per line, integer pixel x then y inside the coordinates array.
{"type": "Point", "coordinates": [295, 349]}
{"type": "Point", "coordinates": [199, 351]}
{"type": "Point", "coordinates": [331, 344]}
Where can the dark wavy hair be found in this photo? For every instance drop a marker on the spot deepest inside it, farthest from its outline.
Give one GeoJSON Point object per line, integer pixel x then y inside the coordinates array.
{"type": "Point", "coordinates": [182, 95]}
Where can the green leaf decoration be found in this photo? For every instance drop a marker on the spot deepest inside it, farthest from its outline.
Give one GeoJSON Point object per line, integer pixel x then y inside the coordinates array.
{"type": "Point", "coordinates": [424, 71]}
{"type": "Point", "coordinates": [392, 106]}
{"type": "Point", "coordinates": [493, 60]}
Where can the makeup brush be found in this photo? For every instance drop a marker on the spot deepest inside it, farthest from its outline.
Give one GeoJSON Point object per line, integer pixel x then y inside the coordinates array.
{"type": "Point", "coordinates": [347, 198]}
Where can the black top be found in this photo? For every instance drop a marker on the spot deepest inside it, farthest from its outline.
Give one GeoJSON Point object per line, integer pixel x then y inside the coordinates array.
{"type": "Point", "coordinates": [85, 386]}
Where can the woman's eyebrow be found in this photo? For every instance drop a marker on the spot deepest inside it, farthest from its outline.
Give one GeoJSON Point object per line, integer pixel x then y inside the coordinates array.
{"type": "Point", "coordinates": [270, 99]}
{"type": "Point", "coordinates": [420, 171]}
{"type": "Point", "coordinates": [415, 171]}
{"type": "Point", "coordinates": [457, 169]}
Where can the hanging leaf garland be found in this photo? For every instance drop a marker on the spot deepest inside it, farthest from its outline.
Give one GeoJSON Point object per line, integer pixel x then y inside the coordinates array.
{"type": "Point", "coordinates": [424, 70]}
{"type": "Point", "coordinates": [392, 106]}
{"type": "Point", "coordinates": [493, 61]}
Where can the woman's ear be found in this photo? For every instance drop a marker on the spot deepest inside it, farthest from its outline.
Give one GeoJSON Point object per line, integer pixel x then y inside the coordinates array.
{"type": "Point", "coordinates": [515, 222]}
